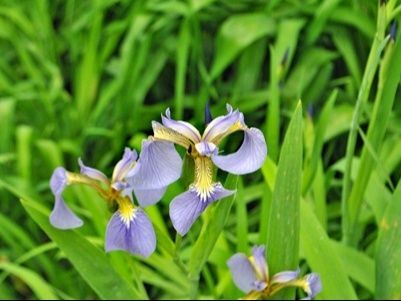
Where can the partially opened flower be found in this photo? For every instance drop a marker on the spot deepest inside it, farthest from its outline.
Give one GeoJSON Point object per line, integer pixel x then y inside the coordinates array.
{"type": "Point", "coordinates": [186, 207]}
{"type": "Point", "coordinates": [251, 275]}
{"type": "Point", "coordinates": [129, 228]}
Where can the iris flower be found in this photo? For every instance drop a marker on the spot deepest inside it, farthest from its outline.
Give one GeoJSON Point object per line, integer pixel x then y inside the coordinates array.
{"type": "Point", "coordinates": [129, 228]}
{"type": "Point", "coordinates": [203, 149]}
{"type": "Point", "coordinates": [251, 275]}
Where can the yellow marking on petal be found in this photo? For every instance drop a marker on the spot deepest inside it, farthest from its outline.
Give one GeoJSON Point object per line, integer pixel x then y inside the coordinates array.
{"type": "Point", "coordinates": [237, 126]}
{"type": "Point", "coordinates": [126, 209]}
{"type": "Point", "coordinates": [75, 178]}
{"type": "Point", "coordinates": [203, 177]}
{"type": "Point", "coordinates": [163, 133]}
{"type": "Point", "coordinates": [255, 268]}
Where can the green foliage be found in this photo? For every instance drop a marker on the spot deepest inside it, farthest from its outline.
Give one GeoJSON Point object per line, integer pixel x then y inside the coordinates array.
{"type": "Point", "coordinates": [86, 78]}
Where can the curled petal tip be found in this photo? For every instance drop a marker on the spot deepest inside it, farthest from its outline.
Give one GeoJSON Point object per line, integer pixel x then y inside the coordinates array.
{"type": "Point", "coordinates": [248, 158]}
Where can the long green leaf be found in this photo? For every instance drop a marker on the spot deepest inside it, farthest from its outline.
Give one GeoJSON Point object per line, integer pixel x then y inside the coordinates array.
{"type": "Point", "coordinates": [237, 33]}
{"type": "Point", "coordinates": [388, 255]}
{"type": "Point", "coordinates": [283, 232]}
{"type": "Point", "coordinates": [41, 288]}
{"type": "Point", "coordinates": [322, 258]}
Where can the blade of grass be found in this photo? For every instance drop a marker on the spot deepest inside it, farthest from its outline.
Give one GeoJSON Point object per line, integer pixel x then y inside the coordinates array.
{"type": "Point", "coordinates": [373, 60]}
{"type": "Point", "coordinates": [389, 78]}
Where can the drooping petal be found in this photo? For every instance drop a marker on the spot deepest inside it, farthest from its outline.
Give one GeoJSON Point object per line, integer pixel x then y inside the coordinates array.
{"type": "Point", "coordinates": [242, 272]}
{"type": "Point", "coordinates": [182, 127]}
{"type": "Point", "coordinates": [135, 235]}
{"type": "Point", "coordinates": [158, 166]}
{"type": "Point", "coordinates": [222, 126]}
{"type": "Point", "coordinates": [62, 217]}
{"type": "Point", "coordinates": [186, 207]}
{"type": "Point", "coordinates": [124, 165]}
{"type": "Point", "coordinates": [248, 158]}
{"type": "Point", "coordinates": [313, 285]}
{"type": "Point", "coordinates": [260, 264]}
{"type": "Point", "coordinates": [92, 173]}
{"type": "Point", "coordinates": [164, 133]}
{"type": "Point", "coordinates": [285, 276]}
{"type": "Point", "coordinates": [205, 148]}
{"type": "Point", "coordinates": [149, 197]}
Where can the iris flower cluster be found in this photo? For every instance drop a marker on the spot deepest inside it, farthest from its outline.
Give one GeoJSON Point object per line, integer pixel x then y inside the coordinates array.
{"type": "Point", "coordinates": [141, 180]}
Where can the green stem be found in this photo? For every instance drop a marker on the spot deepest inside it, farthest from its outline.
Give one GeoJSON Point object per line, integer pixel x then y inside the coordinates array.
{"type": "Point", "coordinates": [177, 260]}
{"type": "Point", "coordinates": [193, 286]}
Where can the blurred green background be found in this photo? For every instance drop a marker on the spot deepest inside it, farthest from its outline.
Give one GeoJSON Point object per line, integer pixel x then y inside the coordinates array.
{"type": "Point", "coordinates": [86, 78]}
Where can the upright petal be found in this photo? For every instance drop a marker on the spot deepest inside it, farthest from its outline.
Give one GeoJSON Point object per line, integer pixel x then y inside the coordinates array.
{"type": "Point", "coordinates": [222, 126]}
{"type": "Point", "coordinates": [158, 166]}
{"type": "Point", "coordinates": [313, 285]}
{"type": "Point", "coordinates": [242, 272]}
{"type": "Point", "coordinates": [136, 235]}
{"type": "Point", "coordinates": [149, 197]}
{"type": "Point", "coordinates": [92, 173]}
{"type": "Point", "coordinates": [186, 207]}
{"type": "Point", "coordinates": [248, 158]}
{"type": "Point", "coordinates": [285, 276]}
{"type": "Point", "coordinates": [182, 127]}
{"type": "Point", "coordinates": [260, 264]}
{"type": "Point", "coordinates": [124, 165]}
{"type": "Point", "coordinates": [62, 217]}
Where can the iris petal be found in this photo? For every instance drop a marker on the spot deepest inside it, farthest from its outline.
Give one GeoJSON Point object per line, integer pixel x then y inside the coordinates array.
{"type": "Point", "coordinates": [58, 181]}
{"type": "Point", "coordinates": [261, 267]}
{"type": "Point", "coordinates": [149, 197]}
{"type": "Point", "coordinates": [242, 272]}
{"type": "Point", "coordinates": [182, 127]}
{"type": "Point", "coordinates": [164, 133]}
{"type": "Point", "coordinates": [186, 207]}
{"type": "Point", "coordinates": [92, 172]}
{"type": "Point", "coordinates": [285, 276]}
{"type": "Point", "coordinates": [62, 217]}
{"type": "Point", "coordinates": [222, 126]}
{"type": "Point", "coordinates": [158, 166]}
{"type": "Point", "coordinates": [124, 165]}
{"type": "Point", "coordinates": [313, 285]}
{"type": "Point", "coordinates": [248, 158]}
{"type": "Point", "coordinates": [136, 237]}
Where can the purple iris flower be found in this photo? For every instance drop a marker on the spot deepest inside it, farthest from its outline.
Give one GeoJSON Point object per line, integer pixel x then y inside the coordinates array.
{"type": "Point", "coordinates": [129, 228]}
{"type": "Point", "coordinates": [251, 275]}
{"type": "Point", "coordinates": [187, 207]}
